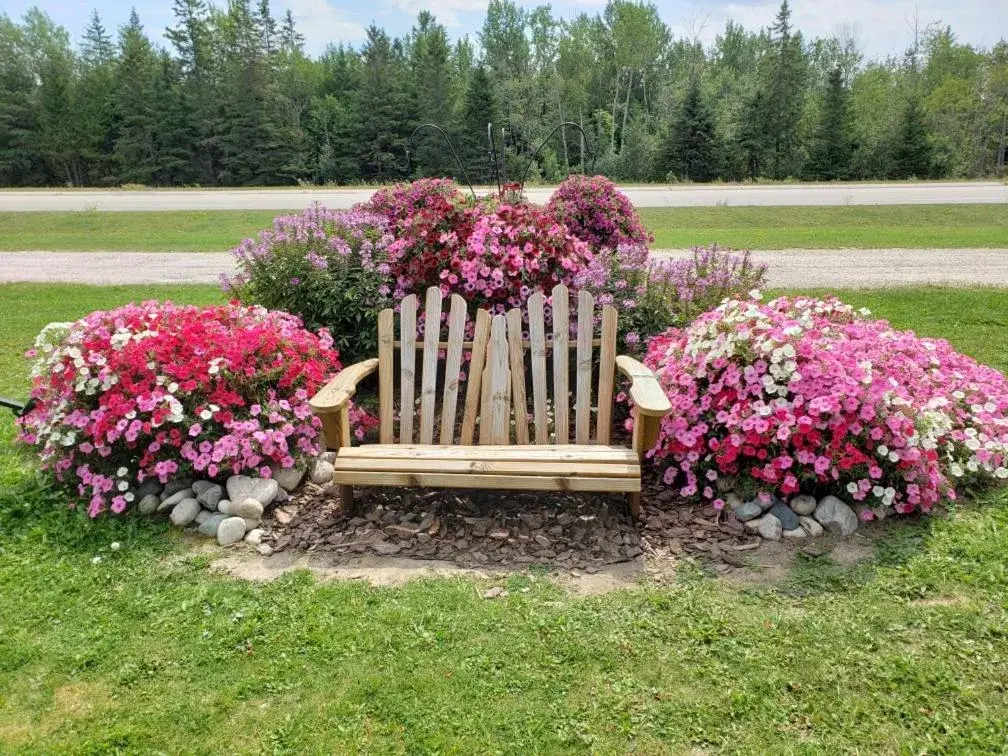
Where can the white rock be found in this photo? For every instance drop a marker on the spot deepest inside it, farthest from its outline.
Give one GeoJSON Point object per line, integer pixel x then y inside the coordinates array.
{"type": "Point", "coordinates": [812, 527]}
{"type": "Point", "coordinates": [185, 512]}
{"type": "Point", "coordinates": [149, 504]}
{"type": "Point", "coordinates": [796, 533]}
{"type": "Point", "coordinates": [241, 487]}
{"type": "Point", "coordinates": [250, 523]}
{"type": "Point", "coordinates": [803, 504]}
{"type": "Point", "coordinates": [254, 536]}
{"type": "Point", "coordinates": [249, 508]}
{"type": "Point", "coordinates": [288, 477]}
{"type": "Point", "coordinates": [328, 456]}
{"type": "Point", "coordinates": [322, 473]}
{"type": "Point", "coordinates": [733, 500]}
{"type": "Point", "coordinates": [231, 530]}
{"type": "Point", "coordinates": [174, 499]}
{"type": "Point", "coordinates": [265, 549]}
{"type": "Point", "coordinates": [208, 494]}
{"type": "Point", "coordinates": [836, 516]}
{"type": "Point", "coordinates": [203, 516]}
{"type": "Point", "coordinates": [767, 526]}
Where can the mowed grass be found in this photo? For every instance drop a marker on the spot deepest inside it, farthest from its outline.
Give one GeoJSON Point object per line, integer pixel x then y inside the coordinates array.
{"type": "Point", "coordinates": [153, 650]}
{"type": "Point", "coordinates": [751, 227]}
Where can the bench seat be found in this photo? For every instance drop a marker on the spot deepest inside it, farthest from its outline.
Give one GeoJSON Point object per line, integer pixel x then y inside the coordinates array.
{"type": "Point", "coordinates": [532, 468]}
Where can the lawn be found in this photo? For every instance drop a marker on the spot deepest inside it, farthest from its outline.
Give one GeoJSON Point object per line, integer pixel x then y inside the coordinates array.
{"type": "Point", "coordinates": [755, 227]}
{"type": "Point", "coordinates": [151, 650]}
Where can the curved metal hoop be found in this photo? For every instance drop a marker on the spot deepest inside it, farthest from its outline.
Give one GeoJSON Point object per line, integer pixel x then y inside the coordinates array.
{"type": "Point", "coordinates": [535, 154]}
{"type": "Point", "coordinates": [409, 148]}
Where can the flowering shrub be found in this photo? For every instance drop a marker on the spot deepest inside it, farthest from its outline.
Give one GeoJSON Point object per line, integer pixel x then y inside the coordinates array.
{"type": "Point", "coordinates": [331, 268]}
{"type": "Point", "coordinates": [803, 394]}
{"type": "Point", "coordinates": [598, 213]}
{"type": "Point", "coordinates": [156, 390]}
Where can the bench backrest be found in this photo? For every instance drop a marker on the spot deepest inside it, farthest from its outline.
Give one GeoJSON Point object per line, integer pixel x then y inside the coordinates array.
{"type": "Point", "coordinates": [496, 385]}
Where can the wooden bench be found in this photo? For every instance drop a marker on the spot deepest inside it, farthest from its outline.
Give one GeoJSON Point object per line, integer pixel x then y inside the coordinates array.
{"type": "Point", "coordinates": [514, 450]}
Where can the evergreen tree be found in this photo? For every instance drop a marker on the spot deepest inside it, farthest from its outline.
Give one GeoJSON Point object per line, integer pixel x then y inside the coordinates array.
{"type": "Point", "coordinates": [430, 90]}
{"type": "Point", "coordinates": [784, 97]}
{"type": "Point", "coordinates": [20, 160]}
{"type": "Point", "coordinates": [480, 109]}
{"type": "Point", "coordinates": [831, 146]}
{"type": "Point", "coordinates": [94, 105]}
{"type": "Point", "coordinates": [135, 149]}
{"type": "Point", "coordinates": [192, 39]}
{"type": "Point", "coordinates": [752, 141]}
{"type": "Point", "coordinates": [382, 109]}
{"type": "Point", "coordinates": [912, 153]}
{"type": "Point", "coordinates": [691, 149]}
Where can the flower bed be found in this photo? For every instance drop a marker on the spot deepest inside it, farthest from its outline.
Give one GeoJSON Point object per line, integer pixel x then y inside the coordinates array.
{"type": "Point", "coordinates": [159, 391]}
{"type": "Point", "coordinates": [808, 395]}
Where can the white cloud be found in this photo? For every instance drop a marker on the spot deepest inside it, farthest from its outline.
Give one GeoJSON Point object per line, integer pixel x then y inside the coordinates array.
{"type": "Point", "coordinates": [322, 23]}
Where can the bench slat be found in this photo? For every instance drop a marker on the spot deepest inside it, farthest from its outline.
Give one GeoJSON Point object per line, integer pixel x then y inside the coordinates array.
{"type": "Point", "coordinates": [474, 384]}
{"type": "Point", "coordinates": [386, 364]}
{"type": "Point", "coordinates": [495, 415]}
{"type": "Point", "coordinates": [407, 328]}
{"type": "Point", "coordinates": [537, 343]}
{"type": "Point", "coordinates": [543, 467]}
{"type": "Point", "coordinates": [595, 454]}
{"type": "Point", "coordinates": [498, 482]}
{"type": "Point", "coordinates": [428, 385]}
{"type": "Point", "coordinates": [453, 367]}
{"type": "Point", "coordinates": [516, 353]}
{"type": "Point", "coordinates": [582, 404]}
{"type": "Point", "coordinates": [561, 383]}
{"type": "Point", "coordinates": [607, 370]}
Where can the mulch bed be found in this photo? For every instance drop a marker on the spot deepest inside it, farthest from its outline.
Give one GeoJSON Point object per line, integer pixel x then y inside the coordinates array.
{"type": "Point", "coordinates": [506, 529]}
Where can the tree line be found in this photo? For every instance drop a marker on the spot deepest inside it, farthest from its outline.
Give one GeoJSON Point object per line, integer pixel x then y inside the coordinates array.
{"type": "Point", "coordinates": [235, 100]}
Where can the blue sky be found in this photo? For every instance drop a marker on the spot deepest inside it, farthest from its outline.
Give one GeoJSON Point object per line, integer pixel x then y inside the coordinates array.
{"type": "Point", "coordinates": [881, 26]}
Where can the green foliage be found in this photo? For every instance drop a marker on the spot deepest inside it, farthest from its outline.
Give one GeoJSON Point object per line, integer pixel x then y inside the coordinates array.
{"type": "Point", "coordinates": [912, 153]}
{"type": "Point", "coordinates": [692, 148]}
{"type": "Point", "coordinates": [831, 147]}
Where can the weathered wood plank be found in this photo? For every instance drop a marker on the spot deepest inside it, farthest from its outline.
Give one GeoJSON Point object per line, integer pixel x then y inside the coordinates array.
{"type": "Point", "coordinates": [336, 393]}
{"type": "Point", "coordinates": [494, 482]}
{"type": "Point", "coordinates": [407, 377]}
{"type": "Point", "coordinates": [453, 367]}
{"type": "Point", "coordinates": [428, 384]}
{"type": "Point", "coordinates": [595, 454]}
{"type": "Point", "coordinates": [386, 364]}
{"type": "Point", "coordinates": [607, 369]}
{"type": "Point", "coordinates": [516, 354]}
{"type": "Point", "coordinates": [582, 404]}
{"type": "Point", "coordinates": [537, 341]}
{"type": "Point", "coordinates": [561, 383]}
{"type": "Point", "coordinates": [495, 425]}
{"type": "Point", "coordinates": [474, 383]}
{"type": "Point", "coordinates": [541, 468]}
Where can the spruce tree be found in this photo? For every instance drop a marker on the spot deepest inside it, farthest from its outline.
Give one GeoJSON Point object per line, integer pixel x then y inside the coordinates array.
{"type": "Point", "coordinates": [430, 91]}
{"type": "Point", "coordinates": [831, 146]}
{"type": "Point", "coordinates": [691, 149]}
{"type": "Point", "coordinates": [784, 97]}
{"type": "Point", "coordinates": [382, 108]}
{"type": "Point", "coordinates": [480, 108]}
{"type": "Point", "coordinates": [912, 154]}
{"type": "Point", "coordinates": [135, 149]}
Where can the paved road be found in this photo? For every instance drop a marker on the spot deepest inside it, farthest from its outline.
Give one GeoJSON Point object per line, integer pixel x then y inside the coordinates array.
{"type": "Point", "coordinates": [641, 196]}
{"type": "Point", "coordinates": [801, 268]}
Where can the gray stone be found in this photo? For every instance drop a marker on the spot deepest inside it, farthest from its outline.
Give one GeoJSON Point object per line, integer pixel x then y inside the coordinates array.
{"type": "Point", "coordinates": [836, 516]}
{"type": "Point", "coordinates": [149, 487]}
{"type": "Point", "coordinates": [208, 494]}
{"type": "Point", "coordinates": [209, 526]}
{"type": "Point", "coordinates": [288, 477]}
{"type": "Point", "coordinates": [175, 498]}
{"type": "Point", "coordinates": [265, 549]}
{"type": "Point", "coordinates": [748, 511]}
{"type": "Point", "coordinates": [231, 530]}
{"type": "Point", "coordinates": [733, 500]}
{"type": "Point", "coordinates": [203, 516]}
{"type": "Point", "coordinates": [796, 533]}
{"type": "Point", "coordinates": [803, 504]}
{"type": "Point", "coordinates": [185, 512]}
{"type": "Point", "coordinates": [250, 523]}
{"type": "Point", "coordinates": [385, 548]}
{"type": "Point", "coordinates": [328, 456]}
{"type": "Point", "coordinates": [254, 536]}
{"type": "Point", "coordinates": [174, 486]}
{"type": "Point", "coordinates": [149, 504]}
{"type": "Point", "coordinates": [812, 527]}
{"type": "Point", "coordinates": [784, 513]}
{"type": "Point", "coordinates": [322, 473]}
{"type": "Point", "coordinates": [767, 526]}
{"type": "Point", "coordinates": [241, 487]}
{"type": "Point", "coordinates": [249, 508]}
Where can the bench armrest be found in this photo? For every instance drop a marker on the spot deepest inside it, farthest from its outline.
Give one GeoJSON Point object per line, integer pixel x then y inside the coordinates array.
{"type": "Point", "coordinates": [645, 391]}
{"type": "Point", "coordinates": [334, 395]}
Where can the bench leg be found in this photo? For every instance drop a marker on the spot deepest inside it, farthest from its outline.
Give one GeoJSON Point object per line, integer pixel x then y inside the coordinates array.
{"type": "Point", "coordinates": [633, 501]}
{"type": "Point", "coordinates": [346, 499]}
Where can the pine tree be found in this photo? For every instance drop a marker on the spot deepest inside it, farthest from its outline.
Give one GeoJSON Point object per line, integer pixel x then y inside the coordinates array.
{"type": "Point", "coordinates": [831, 146]}
{"type": "Point", "coordinates": [784, 97]}
{"type": "Point", "coordinates": [691, 149]}
{"type": "Point", "coordinates": [912, 153]}
{"type": "Point", "coordinates": [135, 148]}
{"type": "Point", "coordinates": [383, 112]}
{"type": "Point", "coordinates": [430, 90]}
{"type": "Point", "coordinates": [192, 39]}
{"type": "Point", "coordinates": [480, 108]}
{"type": "Point", "coordinates": [751, 139]}
{"type": "Point", "coordinates": [93, 103]}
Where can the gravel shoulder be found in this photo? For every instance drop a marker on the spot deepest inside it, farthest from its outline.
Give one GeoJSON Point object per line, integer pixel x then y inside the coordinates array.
{"type": "Point", "coordinates": [812, 268]}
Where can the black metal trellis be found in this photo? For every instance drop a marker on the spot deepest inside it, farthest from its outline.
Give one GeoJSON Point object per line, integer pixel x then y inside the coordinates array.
{"type": "Point", "coordinates": [16, 407]}
{"type": "Point", "coordinates": [451, 147]}
{"type": "Point", "coordinates": [535, 154]}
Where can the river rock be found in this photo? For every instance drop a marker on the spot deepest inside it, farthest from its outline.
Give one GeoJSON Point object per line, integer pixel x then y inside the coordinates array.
{"type": "Point", "coordinates": [203, 516]}
{"type": "Point", "coordinates": [174, 486]}
{"type": "Point", "coordinates": [732, 499]}
{"type": "Point", "coordinates": [251, 523]}
{"type": "Point", "coordinates": [231, 530]}
{"type": "Point", "coordinates": [322, 473]}
{"type": "Point", "coordinates": [288, 477]}
{"type": "Point", "coordinates": [254, 537]}
{"type": "Point", "coordinates": [796, 533]}
{"type": "Point", "coordinates": [208, 494]}
{"type": "Point", "coordinates": [265, 549]}
{"type": "Point", "coordinates": [175, 498]}
{"type": "Point", "coordinates": [784, 513]}
{"type": "Point", "coordinates": [749, 510]}
{"type": "Point", "coordinates": [803, 504]}
{"type": "Point", "coordinates": [149, 504]}
{"type": "Point", "coordinates": [767, 526]}
{"type": "Point", "coordinates": [210, 525]}
{"type": "Point", "coordinates": [241, 487]}
{"type": "Point", "coordinates": [835, 516]}
{"type": "Point", "coordinates": [149, 487]}
{"type": "Point", "coordinates": [328, 456]}
{"type": "Point", "coordinates": [812, 527]}
{"type": "Point", "coordinates": [250, 508]}
{"type": "Point", "coordinates": [185, 512]}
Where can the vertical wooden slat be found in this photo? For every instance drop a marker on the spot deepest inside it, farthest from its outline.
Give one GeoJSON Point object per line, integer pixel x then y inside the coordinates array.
{"type": "Point", "coordinates": [561, 341]}
{"type": "Point", "coordinates": [407, 337]}
{"type": "Point", "coordinates": [582, 404]}
{"type": "Point", "coordinates": [453, 366]}
{"type": "Point", "coordinates": [516, 353]}
{"type": "Point", "coordinates": [495, 413]}
{"type": "Point", "coordinates": [386, 363]}
{"type": "Point", "coordinates": [473, 393]}
{"type": "Point", "coordinates": [428, 385]}
{"type": "Point", "coordinates": [537, 340]}
{"type": "Point", "coordinates": [607, 368]}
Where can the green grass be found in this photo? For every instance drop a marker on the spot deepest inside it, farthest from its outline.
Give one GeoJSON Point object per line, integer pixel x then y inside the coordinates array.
{"type": "Point", "coordinates": [752, 227]}
{"type": "Point", "coordinates": [830, 227]}
{"type": "Point", "coordinates": [151, 650]}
